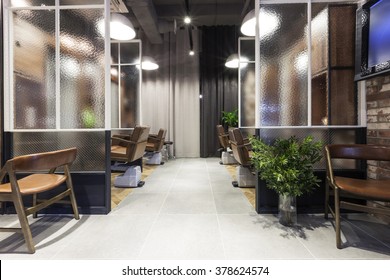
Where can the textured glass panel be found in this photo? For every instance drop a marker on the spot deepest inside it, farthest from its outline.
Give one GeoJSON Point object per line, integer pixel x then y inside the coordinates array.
{"type": "Point", "coordinates": [114, 53]}
{"type": "Point", "coordinates": [29, 3]}
{"type": "Point", "coordinates": [81, 2]}
{"type": "Point", "coordinates": [319, 63]}
{"type": "Point", "coordinates": [130, 78]}
{"type": "Point", "coordinates": [82, 69]}
{"type": "Point", "coordinates": [129, 52]}
{"type": "Point", "coordinates": [248, 104]}
{"type": "Point", "coordinates": [114, 96]}
{"type": "Point", "coordinates": [283, 60]}
{"type": "Point", "coordinates": [327, 136]}
{"type": "Point", "coordinates": [90, 146]}
{"type": "Point", "coordinates": [247, 49]}
{"type": "Point", "coordinates": [34, 69]}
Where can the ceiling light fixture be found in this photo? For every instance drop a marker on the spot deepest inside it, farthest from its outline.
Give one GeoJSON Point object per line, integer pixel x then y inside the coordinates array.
{"type": "Point", "coordinates": [268, 22]}
{"type": "Point", "coordinates": [234, 61]}
{"type": "Point", "coordinates": [191, 53]}
{"type": "Point", "coordinates": [121, 27]}
{"type": "Point", "coordinates": [187, 20]}
{"type": "Point", "coordinates": [148, 63]}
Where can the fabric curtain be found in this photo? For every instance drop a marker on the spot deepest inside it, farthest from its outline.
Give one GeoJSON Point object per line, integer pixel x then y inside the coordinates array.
{"type": "Point", "coordinates": [170, 94]}
{"type": "Point", "coordinates": [218, 84]}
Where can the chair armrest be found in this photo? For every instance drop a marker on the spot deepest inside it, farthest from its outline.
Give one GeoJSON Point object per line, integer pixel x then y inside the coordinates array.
{"type": "Point", "coordinates": [122, 140]}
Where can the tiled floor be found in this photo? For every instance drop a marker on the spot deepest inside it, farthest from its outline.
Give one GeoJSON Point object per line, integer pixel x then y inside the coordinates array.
{"type": "Point", "coordinates": [188, 209]}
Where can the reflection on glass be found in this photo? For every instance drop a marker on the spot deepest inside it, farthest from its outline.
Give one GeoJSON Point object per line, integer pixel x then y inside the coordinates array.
{"type": "Point", "coordinates": [115, 96]}
{"type": "Point", "coordinates": [247, 49]}
{"type": "Point", "coordinates": [81, 69]}
{"type": "Point", "coordinates": [283, 71]}
{"type": "Point", "coordinates": [129, 52]}
{"type": "Point", "coordinates": [29, 3]}
{"type": "Point", "coordinates": [83, 2]}
{"type": "Point", "coordinates": [129, 90]}
{"type": "Point", "coordinates": [34, 69]}
{"type": "Point", "coordinates": [247, 95]}
{"type": "Point", "coordinates": [114, 53]}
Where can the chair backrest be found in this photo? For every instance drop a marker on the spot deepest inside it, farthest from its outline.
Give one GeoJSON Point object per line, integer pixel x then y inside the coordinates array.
{"type": "Point", "coordinates": [358, 151]}
{"type": "Point", "coordinates": [139, 138]}
{"type": "Point", "coordinates": [240, 150]}
{"type": "Point", "coordinates": [222, 137]}
{"type": "Point", "coordinates": [43, 161]}
{"type": "Point", "coordinates": [161, 136]}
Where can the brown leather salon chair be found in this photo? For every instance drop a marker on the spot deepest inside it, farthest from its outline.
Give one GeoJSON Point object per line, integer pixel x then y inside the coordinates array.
{"type": "Point", "coordinates": [130, 148]}
{"type": "Point", "coordinates": [241, 147]}
{"type": "Point", "coordinates": [35, 184]}
{"type": "Point", "coordinates": [342, 188]}
{"type": "Point", "coordinates": [156, 141]}
{"type": "Point", "coordinates": [223, 138]}
{"type": "Point", "coordinates": [242, 154]}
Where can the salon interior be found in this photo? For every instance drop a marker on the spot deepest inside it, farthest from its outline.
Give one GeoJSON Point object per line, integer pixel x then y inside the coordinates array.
{"type": "Point", "coordinates": [144, 113]}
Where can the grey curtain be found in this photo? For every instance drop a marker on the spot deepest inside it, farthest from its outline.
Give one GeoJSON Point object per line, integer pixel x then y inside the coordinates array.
{"type": "Point", "coordinates": [170, 94]}
{"type": "Point", "coordinates": [219, 84]}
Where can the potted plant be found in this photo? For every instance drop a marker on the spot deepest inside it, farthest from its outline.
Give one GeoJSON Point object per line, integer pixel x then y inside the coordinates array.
{"type": "Point", "coordinates": [230, 118]}
{"type": "Point", "coordinates": [287, 167]}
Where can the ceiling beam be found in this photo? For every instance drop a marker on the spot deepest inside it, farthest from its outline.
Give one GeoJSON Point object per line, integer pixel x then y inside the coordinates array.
{"type": "Point", "coordinates": [146, 15]}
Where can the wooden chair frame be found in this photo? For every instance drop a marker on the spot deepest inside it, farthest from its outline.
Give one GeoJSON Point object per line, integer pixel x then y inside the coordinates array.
{"type": "Point", "coordinates": [16, 189]}
{"type": "Point", "coordinates": [341, 187]}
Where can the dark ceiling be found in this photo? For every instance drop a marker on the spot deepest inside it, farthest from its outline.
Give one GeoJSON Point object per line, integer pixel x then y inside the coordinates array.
{"type": "Point", "coordinates": [155, 17]}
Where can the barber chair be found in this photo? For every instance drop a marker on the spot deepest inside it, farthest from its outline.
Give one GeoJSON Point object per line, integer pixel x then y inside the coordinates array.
{"type": "Point", "coordinates": [241, 151]}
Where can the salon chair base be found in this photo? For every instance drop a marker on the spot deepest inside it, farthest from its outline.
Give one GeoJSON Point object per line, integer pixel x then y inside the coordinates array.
{"type": "Point", "coordinates": [245, 178]}
{"type": "Point", "coordinates": [130, 179]}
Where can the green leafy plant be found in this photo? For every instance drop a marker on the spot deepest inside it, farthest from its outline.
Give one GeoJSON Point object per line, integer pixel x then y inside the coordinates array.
{"type": "Point", "coordinates": [287, 165]}
{"type": "Point", "coordinates": [230, 118]}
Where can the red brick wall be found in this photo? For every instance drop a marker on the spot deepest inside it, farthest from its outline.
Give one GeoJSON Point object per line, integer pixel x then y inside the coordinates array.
{"type": "Point", "coordinates": [378, 124]}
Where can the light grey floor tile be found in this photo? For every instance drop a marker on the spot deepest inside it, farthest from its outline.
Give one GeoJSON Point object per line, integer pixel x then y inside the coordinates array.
{"type": "Point", "coordinates": [232, 203]}
{"type": "Point", "coordinates": [121, 237]}
{"type": "Point", "coordinates": [319, 236]}
{"type": "Point", "coordinates": [140, 203]}
{"type": "Point", "coordinates": [189, 203]}
{"type": "Point", "coordinates": [184, 237]}
{"type": "Point", "coordinates": [155, 186]}
{"type": "Point", "coordinates": [254, 237]}
{"type": "Point", "coordinates": [50, 233]}
{"type": "Point", "coordinates": [223, 186]}
{"type": "Point", "coordinates": [183, 185]}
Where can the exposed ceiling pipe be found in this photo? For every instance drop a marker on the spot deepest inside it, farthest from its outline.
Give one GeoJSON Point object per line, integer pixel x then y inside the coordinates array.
{"type": "Point", "coordinates": [146, 15]}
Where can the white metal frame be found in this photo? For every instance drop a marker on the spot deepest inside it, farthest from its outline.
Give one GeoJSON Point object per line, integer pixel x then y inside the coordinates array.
{"type": "Point", "coordinates": [119, 64]}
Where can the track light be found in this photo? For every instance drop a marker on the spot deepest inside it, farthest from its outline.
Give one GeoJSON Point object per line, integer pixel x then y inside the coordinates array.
{"type": "Point", "coordinates": [187, 20]}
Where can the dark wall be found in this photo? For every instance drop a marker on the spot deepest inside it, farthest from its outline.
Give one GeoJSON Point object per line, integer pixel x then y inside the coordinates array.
{"type": "Point", "coordinates": [218, 84]}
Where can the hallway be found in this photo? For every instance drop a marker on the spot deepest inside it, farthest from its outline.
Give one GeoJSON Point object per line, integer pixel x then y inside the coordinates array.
{"type": "Point", "coordinates": [188, 209]}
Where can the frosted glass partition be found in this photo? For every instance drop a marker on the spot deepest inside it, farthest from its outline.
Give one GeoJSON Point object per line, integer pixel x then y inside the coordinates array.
{"type": "Point", "coordinates": [247, 95]}
{"type": "Point", "coordinates": [83, 2]}
{"type": "Point", "coordinates": [29, 3]}
{"type": "Point", "coordinates": [56, 57]}
{"type": "Point", "coordinates": [34, 69]}
{"type": "Point", "coordinates": [125, 84]}
{"type": "Point", "coordinates": [90, 146]}
{"type": "Point", "coordinates": [283, 65]}
{"type": "Point", "coordinates": [82, 69]}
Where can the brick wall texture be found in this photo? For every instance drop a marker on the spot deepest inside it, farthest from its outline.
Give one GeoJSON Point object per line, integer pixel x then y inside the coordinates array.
{"type": "Point", "coordinates": [378, 124]}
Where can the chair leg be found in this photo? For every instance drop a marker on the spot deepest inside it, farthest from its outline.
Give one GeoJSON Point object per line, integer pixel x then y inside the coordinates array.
{"type": "Point", "coordinates": [72, 197]}
{"type": "Point", "coordinates": [19, 207]}
{"type": "Point", "coordinates": [35, 215]}
{"type": "Point", "coordinates": [337, 218]}
{"type": "Point", "coordinates": [326, 212]}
